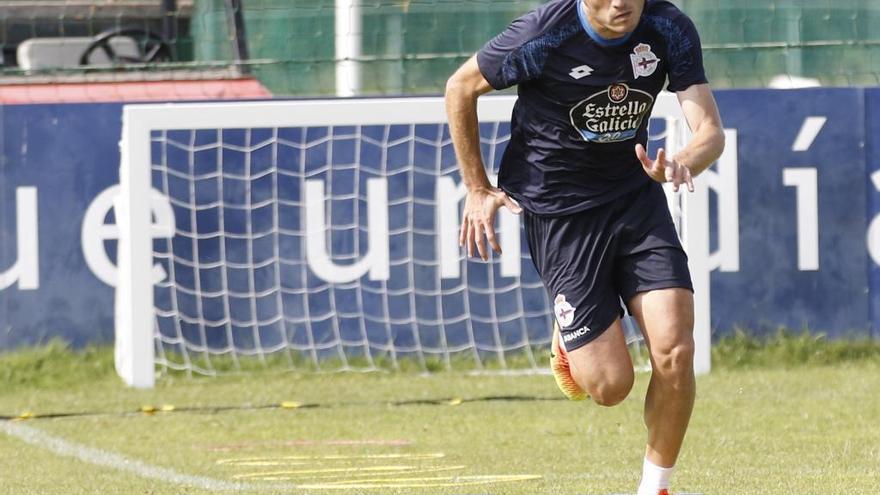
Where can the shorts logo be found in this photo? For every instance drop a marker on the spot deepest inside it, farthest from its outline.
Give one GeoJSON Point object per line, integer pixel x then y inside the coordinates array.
{"type": "Point", "coordinates": [643, 60]}
{"type": "Point", "coordinates": [577, 333]}
{"type": "Point", "coordinates": [612, 115]}
{"type": "Point", "coordinates": [564, 311]}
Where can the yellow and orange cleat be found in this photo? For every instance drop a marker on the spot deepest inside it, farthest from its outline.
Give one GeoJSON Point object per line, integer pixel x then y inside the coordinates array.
{"type": "Point", "coordinates": [561, 370]}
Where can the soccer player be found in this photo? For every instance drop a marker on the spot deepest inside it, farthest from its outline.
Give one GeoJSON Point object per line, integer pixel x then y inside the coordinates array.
{"type": "Point", "coordinates": [599, 231]}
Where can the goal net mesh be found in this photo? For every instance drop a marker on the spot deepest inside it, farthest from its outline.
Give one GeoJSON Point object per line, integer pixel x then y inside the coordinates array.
{"type": "Point", "coordinates": [336, 247]}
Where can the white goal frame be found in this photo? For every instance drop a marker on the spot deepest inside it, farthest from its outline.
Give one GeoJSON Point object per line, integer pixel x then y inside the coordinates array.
{"type": "Point", "coordinates": [135, 316]}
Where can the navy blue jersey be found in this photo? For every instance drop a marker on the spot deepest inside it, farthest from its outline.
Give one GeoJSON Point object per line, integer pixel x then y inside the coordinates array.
{"type": "Point", "coordinates": [584, 101]}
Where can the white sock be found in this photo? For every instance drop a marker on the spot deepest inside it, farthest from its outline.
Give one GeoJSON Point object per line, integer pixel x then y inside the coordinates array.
{"type": "Point", "coordinates": [654, 478]}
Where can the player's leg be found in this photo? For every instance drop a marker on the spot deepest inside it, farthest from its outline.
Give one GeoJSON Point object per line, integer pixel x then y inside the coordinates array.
{"type": "Point", "coordinates": [654, 280]}
{"type": "Point", "coordinates": [603, 367]}
{"type": "Point", "coordinates": [666, 317]}
{"type": "Point", "coordinates": [574, 256]}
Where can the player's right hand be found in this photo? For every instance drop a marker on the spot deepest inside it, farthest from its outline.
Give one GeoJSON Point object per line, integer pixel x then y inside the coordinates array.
{"type": "Point", "coordinates": [480, 207]}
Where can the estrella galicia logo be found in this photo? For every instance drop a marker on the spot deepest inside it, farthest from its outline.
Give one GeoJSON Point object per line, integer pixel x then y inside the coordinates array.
{"type": "Point", "coordinates": [611, 115]}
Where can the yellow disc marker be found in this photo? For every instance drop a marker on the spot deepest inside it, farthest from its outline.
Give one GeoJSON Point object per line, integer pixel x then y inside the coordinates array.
{"type": "Point", "coordinates": [289, 404]}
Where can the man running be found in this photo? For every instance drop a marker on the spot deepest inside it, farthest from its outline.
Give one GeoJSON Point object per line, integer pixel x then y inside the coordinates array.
{"type": "Point", "coordinates": [599, 231]}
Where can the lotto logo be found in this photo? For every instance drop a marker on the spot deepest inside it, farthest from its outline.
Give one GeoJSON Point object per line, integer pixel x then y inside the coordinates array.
{"type": "Point", "coordinates": [581, 71]}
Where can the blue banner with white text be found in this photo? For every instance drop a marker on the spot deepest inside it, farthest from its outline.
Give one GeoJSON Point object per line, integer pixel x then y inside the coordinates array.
{"type": "Point", "coordinates": [800, 199]}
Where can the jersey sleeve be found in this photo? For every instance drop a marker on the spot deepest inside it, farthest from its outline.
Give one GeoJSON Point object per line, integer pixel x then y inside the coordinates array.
{"type": "Point", "coordinates": [507, 60]}
{"type": "Point", "coordinates": [685, 53]}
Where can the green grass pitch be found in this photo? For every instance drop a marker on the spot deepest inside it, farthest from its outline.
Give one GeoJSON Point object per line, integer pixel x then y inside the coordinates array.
{"type": "Point", "coordinates": [783, 428]}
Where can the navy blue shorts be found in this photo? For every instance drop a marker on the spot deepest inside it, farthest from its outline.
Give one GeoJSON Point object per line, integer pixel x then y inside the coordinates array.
{"type": "Point", "coordinates": [592, 259]}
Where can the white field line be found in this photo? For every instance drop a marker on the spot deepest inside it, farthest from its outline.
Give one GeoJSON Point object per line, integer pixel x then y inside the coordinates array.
{"type": "Point", "coordinates": [91, 455]}
{"type": "Point", "coordinates": [98, 457]}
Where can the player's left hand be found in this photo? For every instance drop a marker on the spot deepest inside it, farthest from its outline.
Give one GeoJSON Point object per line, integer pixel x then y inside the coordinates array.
{"type": "Point", "coordinates": [663, 170]}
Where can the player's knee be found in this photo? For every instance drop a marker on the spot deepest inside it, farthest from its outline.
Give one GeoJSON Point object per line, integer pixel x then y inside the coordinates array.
{"type": "Point", "coordinates": [612, 391]}
{"type": "Point", "coordinates": [610, 394]}
{"type": "Point", "coordinates": [676, 360]}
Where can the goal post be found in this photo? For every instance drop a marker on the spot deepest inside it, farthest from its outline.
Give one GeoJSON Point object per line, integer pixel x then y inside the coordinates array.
{"type": "Point", "coordinates": [326, 231]}
{"type": "Point", "coordinates": [133, 307]}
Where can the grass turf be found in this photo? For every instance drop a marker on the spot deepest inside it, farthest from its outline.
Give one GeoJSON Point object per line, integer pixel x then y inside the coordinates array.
{"type": "Point", "coordinates": [766, 421]}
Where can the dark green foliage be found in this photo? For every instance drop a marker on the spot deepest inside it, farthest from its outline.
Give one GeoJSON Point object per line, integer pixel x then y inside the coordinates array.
{"type": "Point", "coordinates": [787, 348]}
{"type": "Point", "coordinates": [54, 365]}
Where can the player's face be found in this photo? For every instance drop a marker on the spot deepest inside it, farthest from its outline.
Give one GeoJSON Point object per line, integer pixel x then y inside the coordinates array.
{"type": "Point", "coordinates": [614, 18]}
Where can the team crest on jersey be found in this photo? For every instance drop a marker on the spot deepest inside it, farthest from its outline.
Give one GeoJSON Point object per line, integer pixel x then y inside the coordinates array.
{"type": "Point", "coordinates": [611, 115]}
{"type": "Point", "coordinates": [644, 61]}
{"type": "Point", "coordinates": [563, 310]}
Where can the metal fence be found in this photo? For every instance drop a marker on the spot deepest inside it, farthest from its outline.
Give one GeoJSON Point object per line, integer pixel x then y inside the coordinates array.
{"type": "Point", "coordinates": [411, 46]}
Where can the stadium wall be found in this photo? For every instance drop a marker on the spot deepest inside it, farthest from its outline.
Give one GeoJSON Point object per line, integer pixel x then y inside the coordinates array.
{"type": "Point", "coordinates": [803, 214]}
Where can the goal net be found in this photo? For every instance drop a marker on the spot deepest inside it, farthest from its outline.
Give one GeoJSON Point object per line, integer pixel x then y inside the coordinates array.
{"type": "Point", "coordinates": [317, 234]}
